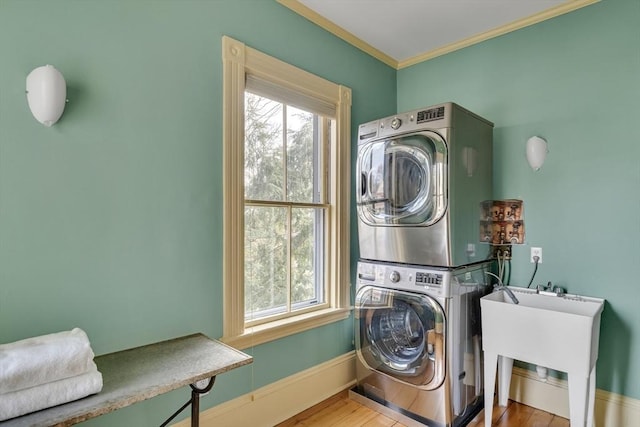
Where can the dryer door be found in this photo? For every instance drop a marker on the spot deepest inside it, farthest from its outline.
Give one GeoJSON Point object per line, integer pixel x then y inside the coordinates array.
{"type": "Point", "coordinates": [402, 181]}
{"type": "Point", "coordinates": [401, 334]}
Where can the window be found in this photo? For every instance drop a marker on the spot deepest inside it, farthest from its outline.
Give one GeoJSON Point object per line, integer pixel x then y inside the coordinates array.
{"type": "Point", "coordinates": [284, 208]}
{"type": "Point", "coordinates": [286, 198]}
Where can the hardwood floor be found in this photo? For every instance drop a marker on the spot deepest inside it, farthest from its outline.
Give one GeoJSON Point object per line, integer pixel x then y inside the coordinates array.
{"type": "Point", "coordinates": [341, 411]}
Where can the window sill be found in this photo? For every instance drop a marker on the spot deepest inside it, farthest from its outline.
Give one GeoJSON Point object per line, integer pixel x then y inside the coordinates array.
{"type": "Point", "coordinates": [261, 334]}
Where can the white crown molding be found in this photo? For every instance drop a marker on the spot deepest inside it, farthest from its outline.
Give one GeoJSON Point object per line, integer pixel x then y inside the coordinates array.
{"type": "Point", "coordinates": [311, 15]}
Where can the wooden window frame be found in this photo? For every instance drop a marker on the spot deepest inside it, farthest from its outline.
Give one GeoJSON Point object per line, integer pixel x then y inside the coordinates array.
{"type": "Point", "coordinates": [239, 61]}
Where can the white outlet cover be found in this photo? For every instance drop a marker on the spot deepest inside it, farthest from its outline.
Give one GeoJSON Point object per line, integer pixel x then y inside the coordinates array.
{"type": "Point", "coordinates": [536, 252]}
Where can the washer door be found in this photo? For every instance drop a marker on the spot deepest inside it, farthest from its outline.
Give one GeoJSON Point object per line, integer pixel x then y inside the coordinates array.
{"type": "Point", "coordinates": [401, 334]}
{"type": "Point", "coordinates": [402, 181]}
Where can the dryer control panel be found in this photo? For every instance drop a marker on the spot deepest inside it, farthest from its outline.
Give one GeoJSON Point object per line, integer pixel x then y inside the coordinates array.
{"type": "Point", "coordinates": [430, 114]}
{"type": "Point", "coordinates": [430, 118]}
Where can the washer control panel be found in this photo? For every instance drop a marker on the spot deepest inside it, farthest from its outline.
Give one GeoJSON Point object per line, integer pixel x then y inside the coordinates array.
{"type": "Point", "coordinates": [410, 278]}
{"type": "Point", "coordinates": [428, 278]}
{"type": "Point", "coordinates": [394, 276]}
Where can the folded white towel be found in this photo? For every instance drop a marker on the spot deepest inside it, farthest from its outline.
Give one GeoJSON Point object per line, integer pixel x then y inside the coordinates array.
{"type": "Point", "coordinates": [43, 396]}
{"type": "Point", "coordinates": [39, 360]}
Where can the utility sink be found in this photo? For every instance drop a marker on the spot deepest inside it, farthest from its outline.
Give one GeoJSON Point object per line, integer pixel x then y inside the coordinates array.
{"type": "Point", "coordinates": [558, 332]}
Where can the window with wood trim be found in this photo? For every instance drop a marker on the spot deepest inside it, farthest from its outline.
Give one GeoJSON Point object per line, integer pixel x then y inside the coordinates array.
{"type": "Point", "coordinates": [286, 198]}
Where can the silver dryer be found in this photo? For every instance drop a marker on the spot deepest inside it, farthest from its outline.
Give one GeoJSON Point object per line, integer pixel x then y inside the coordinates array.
{"type": "Point", "coordinates": [421, 177]}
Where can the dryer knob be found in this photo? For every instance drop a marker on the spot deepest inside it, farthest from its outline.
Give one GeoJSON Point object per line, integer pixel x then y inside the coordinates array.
{"type": "Point", "coordinates": [395, 123]}
{"type": "Point", "coordinates": [394, 277]}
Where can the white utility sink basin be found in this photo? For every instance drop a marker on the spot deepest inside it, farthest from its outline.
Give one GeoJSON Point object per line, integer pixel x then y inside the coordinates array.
{"type": "Point", "coordinates": [559, 332]}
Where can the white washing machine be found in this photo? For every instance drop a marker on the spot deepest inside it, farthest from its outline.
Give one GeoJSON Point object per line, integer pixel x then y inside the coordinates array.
{"type": "Point", "coordinates": [421, 177]}
{"type": "Point", "coordinates": [418, 340]}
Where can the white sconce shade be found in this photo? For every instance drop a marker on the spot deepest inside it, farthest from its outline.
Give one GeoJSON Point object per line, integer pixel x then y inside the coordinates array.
{"type": "Point", "coordinates": [536, 152]}
{"type": "Point", "coordinates": [46, 94]}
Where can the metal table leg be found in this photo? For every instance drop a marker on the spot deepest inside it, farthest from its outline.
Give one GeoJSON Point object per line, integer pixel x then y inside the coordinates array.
{"type": "Point", "coordinates": [194, 402]}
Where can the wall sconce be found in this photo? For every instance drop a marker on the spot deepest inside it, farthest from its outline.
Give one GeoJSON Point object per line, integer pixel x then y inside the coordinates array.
{"type": "Point", "coordinates": [536, 152]}
{"type": "Point", "coordinates": [470, 160]}
{"type": "Point", "coordinates": [46, 94]}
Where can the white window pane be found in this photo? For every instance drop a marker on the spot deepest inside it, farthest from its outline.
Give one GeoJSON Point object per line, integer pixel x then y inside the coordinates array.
{"type": "Point", "coordinates": [302, 156]}
{"type": "Point", "coordinates": [284, 245]}
{"type": "Point", "coordinates": [265, 261]}
{"type": "Point", "coordinates": [307, 257]}
{"type": "Point", "coordinates": [263, 149]}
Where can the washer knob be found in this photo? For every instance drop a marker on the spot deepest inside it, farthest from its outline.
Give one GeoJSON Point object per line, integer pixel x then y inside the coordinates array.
{"type": "Point", "coordinates": [394, 277]}
{"type": "Point", "coordinates": [395, 123]}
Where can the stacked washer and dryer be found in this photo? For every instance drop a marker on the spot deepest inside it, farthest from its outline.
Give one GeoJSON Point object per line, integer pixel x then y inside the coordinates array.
{"type": "Point", "coordinates": [421, 178]}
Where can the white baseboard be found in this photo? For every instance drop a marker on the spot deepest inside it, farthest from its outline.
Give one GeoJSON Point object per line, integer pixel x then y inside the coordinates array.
{"type": "Point", "coordinates": [276, 402]}
{"type": "Point", "coordinates": [611, 409]}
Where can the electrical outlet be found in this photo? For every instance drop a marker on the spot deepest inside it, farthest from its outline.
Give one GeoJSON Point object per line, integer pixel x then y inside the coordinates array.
{"type": "Point", "coordinates": [536, 252]}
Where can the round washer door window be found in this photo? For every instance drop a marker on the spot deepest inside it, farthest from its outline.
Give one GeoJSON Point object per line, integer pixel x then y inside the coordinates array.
{"type": "Point", "coordinates": [401, 334]}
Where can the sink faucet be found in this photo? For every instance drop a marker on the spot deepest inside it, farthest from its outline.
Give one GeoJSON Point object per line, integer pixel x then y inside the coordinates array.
{"type": "Point", "coordinates": [501, 287]}
{"type": "Point", "coordinates": [550, 290]}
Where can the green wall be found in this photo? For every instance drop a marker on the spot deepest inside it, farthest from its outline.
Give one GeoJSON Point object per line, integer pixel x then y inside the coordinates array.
{"type": "Point", "coordinates": [574, 80]}
{"type": "Point", "coordinates": [111, 220]}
